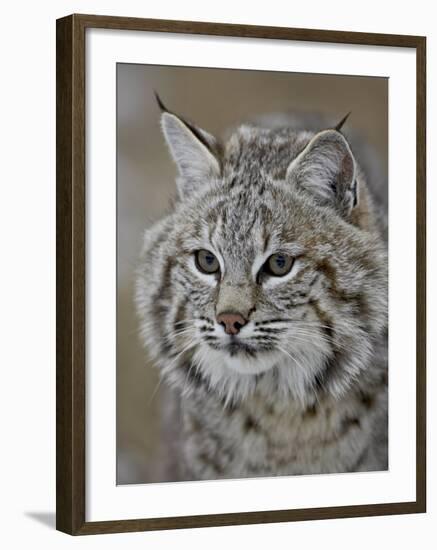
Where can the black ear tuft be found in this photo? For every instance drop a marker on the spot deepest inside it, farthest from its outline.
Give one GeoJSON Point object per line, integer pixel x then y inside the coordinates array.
{"type": "Point", "coordinates": [160, 103]}
{"type": "Point", "coordinates": [340, 125]}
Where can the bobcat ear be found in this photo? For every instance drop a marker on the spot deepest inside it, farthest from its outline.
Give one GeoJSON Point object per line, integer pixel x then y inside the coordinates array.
{"type": "Point", "coordinates": [326, 168]}
{"type": "Point", "coordinates": [194, 151]}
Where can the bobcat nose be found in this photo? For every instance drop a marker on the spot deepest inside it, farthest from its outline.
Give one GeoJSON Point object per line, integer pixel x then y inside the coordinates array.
{"type": "Point", "coordinates": [231, 322]}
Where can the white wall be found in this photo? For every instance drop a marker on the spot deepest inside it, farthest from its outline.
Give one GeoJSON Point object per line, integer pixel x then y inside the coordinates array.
{"type": "Point", "coordinates": [27, 232]}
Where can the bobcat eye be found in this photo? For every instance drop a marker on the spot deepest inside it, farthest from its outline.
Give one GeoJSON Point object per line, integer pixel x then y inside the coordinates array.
{"type": "Point", "coordinates": [206, 262]}
{"type": "Point", "coordinates": [278, 265]}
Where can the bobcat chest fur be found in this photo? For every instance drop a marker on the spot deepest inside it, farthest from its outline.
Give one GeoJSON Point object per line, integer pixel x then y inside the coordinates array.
{"type": "Point", "coordinates": [260, 438]}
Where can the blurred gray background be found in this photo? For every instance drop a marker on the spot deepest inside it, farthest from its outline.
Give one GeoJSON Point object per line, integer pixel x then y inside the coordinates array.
{"type": "Point", "coordinates": [214, 99]}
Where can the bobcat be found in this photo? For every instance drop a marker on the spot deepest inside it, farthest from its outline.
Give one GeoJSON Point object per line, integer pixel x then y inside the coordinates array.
{"type": "Point", "coordinates": [262, 298]}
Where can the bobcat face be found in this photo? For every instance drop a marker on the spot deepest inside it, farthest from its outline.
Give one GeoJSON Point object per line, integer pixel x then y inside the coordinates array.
{"type": "Point", "coordinates": [263, 267]}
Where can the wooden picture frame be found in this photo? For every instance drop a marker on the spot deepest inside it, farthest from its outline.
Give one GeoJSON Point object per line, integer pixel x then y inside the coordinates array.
{"type": "Point", "coordinates": [71, 254]}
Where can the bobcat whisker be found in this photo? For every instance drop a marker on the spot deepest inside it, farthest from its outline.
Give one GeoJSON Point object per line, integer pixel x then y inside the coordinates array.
{"type": "Point", "coordinates": [297, 364]}
{"type": "Point", "coordinates": [186, 348]}
{"type": "Point", "coordinates": [186, 321]}
{"type": "Point", "coordinates": [311, 336]}
{"type": "Point", "coordinates": [308, 340]}
{"type": "Point", "coordinates": [271, 321]}
{"type": "Point", "coordinates": [271, 330]}
{"type": "Point", "coordinates": [263, 339]}
{"type": "Point", "coordinates": [190, 368]}
{"type": "Point", "coordinates": [155, 391]}
{"type": "Point", "coordinates": [189, 330]}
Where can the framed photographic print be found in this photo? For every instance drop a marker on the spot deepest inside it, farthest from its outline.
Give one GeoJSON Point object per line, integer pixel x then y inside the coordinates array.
{"type": "Point", "coordinates": [240, 274]}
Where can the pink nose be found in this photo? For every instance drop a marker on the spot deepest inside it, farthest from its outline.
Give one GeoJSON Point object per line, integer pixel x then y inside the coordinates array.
{"type": "Point", "coordinates": [231, 322]}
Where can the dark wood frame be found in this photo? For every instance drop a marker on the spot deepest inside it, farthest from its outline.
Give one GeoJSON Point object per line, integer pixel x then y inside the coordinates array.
{"type": "Point", "coordinates": [70, 275]}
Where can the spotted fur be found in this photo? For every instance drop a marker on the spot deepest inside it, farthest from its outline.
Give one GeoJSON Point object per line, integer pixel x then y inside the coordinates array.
{"type": "Point", "coordinates": [303, 388]}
